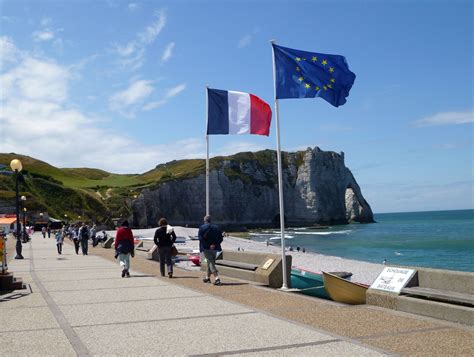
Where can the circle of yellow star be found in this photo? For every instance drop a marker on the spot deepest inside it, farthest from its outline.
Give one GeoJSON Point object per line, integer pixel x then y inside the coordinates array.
{"type": "Point", "coordinates": [298, 59]}
{"type": "Point", "coordinates": [301, 79]}
{"type": "Point", "coordinates": [298, 69]}
{"type": "Point", "coordinates": [314, 59]}
{"type": "Point", "coordinates": [307, 86]}
{"type": "Point", "coordinates": [325, 88]}
{"type": "Point", "coordinates": [331, 69]}
{"type": "Point", "coordinates": [324, 62]}
{"type": "Point", "coordinates": [333, 80]}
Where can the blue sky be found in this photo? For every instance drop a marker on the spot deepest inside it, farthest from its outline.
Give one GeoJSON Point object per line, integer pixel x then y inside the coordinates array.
{"type": "Point", "coordinates": [119, 85]}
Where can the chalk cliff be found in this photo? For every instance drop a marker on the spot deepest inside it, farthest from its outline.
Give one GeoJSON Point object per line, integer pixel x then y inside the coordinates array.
{"type": "Point", "coordinates": [318, 189]}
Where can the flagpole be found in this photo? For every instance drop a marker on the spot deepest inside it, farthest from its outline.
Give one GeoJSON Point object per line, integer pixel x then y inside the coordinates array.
{"type": "Point", "coordinates": [207, 155]}
{"type": "Point", "coordinates": [280, 180]}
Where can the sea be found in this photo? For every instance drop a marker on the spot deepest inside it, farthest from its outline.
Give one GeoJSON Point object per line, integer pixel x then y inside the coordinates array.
{"type": "Point", "coordinates": [437, 239]}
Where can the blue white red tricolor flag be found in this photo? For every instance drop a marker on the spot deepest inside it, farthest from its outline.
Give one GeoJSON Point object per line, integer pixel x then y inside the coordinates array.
{"type": "Point", "coordinates": [232, 112]}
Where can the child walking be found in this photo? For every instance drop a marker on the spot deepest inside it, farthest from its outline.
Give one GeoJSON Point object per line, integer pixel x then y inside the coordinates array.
{"type": "Point", "coordinates": [59, 241]}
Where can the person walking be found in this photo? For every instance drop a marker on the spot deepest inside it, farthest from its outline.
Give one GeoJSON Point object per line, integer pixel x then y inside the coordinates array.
{"type": "Point", "coordinates": [43, 232]}
{"type": "Point", "coordinates": [59, 241]}
{"type": "Point", "coordinates": [84, 237]}
{"type": "Point", "coordinates": [93, 232]}
{"type": "Point", "coordinates": [74, 233]}
{"type": "Point", "coordinates": [49, 231]}
{"type": "Point", "coordinates": [164, 238]}
{"type": "Point", "coordinates": [210, 239]}
{"type": "Point", "coordinates": [124, 247]}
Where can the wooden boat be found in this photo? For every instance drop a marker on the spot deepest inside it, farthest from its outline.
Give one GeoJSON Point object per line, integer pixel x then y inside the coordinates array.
{"type": "Point", "coordinates": [312, 283]}
{"type": "Point", "coordinates": [344, 291]}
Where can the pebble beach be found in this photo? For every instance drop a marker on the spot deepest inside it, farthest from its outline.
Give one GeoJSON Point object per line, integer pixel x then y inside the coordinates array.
{"type": "Point", "coordinates": [363, 272]}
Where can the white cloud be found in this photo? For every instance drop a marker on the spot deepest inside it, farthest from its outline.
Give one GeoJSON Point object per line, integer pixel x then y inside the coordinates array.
{"type": "Point", "coordinates": [153, 30]}
{"type": "Point", "coordinates": [43, 35]}
{"type": "Point", "coordinates": [172, 92]}
{"type": "Point", "coordinates": [35, 79]}
{"type": "Point", "coordinates": [446, 118]}
{"type": "Point", "coordinates": [45, 21]}
{"type": "Point", "coordinates": [124, 101]}
{"type": "Point", "coordinates": [175, 91]}
{"type": "Point", "coordinates": [8, 51]}
{"type": "Point", "coordinates": [37, 120]}
{"type": "Point", "coordinates": [131, 55]}
{"type": "Point", "coordinates": [245, 41]}
{"type": "Point", "coordinates": [133, 6]}
{"type": "Point", "coordinates": [168, 52]}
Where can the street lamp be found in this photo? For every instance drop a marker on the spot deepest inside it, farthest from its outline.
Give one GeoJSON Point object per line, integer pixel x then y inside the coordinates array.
{"type": "Point", "coordinates": [23, 199]}
{"type": "Point", "coordinates": [16, 167]}
{"type": "Point", "coordinates": [25, 235]}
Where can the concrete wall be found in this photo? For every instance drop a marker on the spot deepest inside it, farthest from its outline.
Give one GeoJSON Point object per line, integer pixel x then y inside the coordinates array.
{"type": "Point", "coordinates": [272, 276]}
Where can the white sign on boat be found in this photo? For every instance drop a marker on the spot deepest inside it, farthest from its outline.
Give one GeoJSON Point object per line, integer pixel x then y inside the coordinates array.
{"type": "Point", "coordinates": [393, 279]}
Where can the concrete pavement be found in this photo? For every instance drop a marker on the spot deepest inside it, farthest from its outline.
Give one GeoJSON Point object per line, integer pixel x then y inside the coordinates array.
{"type": "Point", "coordinates": [79, 305]}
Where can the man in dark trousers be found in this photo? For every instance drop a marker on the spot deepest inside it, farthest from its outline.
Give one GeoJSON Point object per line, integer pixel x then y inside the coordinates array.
{"type": "Point", "coordinates": [84, 238]}
{"type": "Point", "coordinates": [210, 239]}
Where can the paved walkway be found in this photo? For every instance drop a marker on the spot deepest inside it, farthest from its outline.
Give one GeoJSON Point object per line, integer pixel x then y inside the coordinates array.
{"type": "Point", "coordinates": [79, 305]}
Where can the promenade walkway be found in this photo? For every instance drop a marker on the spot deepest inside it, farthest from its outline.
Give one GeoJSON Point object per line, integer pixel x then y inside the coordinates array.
{"type": "Point", "coordinates": [79, 305]}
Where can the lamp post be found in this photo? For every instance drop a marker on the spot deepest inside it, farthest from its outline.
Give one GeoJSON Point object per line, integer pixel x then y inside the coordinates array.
{"type": "Point", "coordinates": [25, 234]}
{"type": "Point", "coordinates": [16, 166]}
{"type": "Point", "coordinates": [23, 208]}
{"type": "Point", "coordinates": [65, 218]}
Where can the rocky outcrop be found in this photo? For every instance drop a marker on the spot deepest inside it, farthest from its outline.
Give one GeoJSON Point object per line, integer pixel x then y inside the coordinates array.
{"type": "Point", "coordinates": [318, 189]}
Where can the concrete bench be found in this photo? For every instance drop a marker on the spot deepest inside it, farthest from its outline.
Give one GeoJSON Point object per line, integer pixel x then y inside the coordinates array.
{"type": "Point", "coordinates": [239, 265]}
{"type": "Point", "coordinates": [442, 294]}
{"type": "Point", "coordinates": [264, 268]}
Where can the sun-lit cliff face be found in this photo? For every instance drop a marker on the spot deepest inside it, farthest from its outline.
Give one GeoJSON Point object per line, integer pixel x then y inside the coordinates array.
{"type": "Point", "coordinates": [318, 189]}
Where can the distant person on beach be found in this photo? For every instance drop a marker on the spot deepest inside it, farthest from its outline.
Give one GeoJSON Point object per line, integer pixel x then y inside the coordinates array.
{"type": "Point", "coordinates": [304, 250]}
{"type": "Point", "coordinates": [124, 247]}
{"type": "Point", "coordinates": [298, 249]}
{"type": "Point", "coordinates": [210, 239]}
{"type": "Point", "coordinates": [59, 241]}
{"type": "Point", "coordinates": [84, 237]}
{"type": "Point", "coordinates": [49, 232]}
{"type": "Point", "coordinates": [164, 239]}
{"type": "Point", "coordinates": [43, 232]}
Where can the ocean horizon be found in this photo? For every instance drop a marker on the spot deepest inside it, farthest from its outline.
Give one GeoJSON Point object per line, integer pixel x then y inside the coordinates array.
{"type": "Point", "coordinates": [432, 239]}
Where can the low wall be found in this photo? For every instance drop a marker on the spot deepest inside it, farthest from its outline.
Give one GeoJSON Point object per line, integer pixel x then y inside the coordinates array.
{"type": "Point", "coordinates": [437, 279]}
{"type": "Point", "coordinates": [271, 275]}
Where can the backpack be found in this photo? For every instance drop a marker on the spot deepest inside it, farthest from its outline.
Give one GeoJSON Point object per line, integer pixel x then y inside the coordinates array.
{"type": "Point", "coordinates": [84, 233]}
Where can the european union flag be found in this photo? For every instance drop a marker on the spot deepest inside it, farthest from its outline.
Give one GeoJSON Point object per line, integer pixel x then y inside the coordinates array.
{"type": "Point", "coordinates": [301, 74]}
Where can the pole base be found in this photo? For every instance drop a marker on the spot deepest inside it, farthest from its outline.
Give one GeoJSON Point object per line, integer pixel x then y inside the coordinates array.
{"type": "Point", "coordinates": [19, 256]}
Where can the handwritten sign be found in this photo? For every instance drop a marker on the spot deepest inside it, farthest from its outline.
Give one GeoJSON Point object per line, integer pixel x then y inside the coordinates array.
{"type": "Point", "coordinates": [393, 279]}
{"type": "Point", "coordinates": [267, 264]}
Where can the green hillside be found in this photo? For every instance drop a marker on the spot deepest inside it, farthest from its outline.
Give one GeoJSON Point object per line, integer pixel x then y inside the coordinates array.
{"type": "Point", "coordinates": [100, 195]}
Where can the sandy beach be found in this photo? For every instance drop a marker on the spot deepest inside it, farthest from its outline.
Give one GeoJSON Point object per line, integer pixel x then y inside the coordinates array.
{"type": "Point", "coordinates": [363, 272]}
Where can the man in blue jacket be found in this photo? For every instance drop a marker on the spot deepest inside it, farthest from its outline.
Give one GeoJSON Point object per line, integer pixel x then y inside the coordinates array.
{"type": "Point", "coordinates": [210, 239]}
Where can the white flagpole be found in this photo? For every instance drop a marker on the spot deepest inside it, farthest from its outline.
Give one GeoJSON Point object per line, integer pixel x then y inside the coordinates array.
{"type": "Point", "coordinates": [207, 176]}
{"type": "Point", "coordinates": [280, 181]}
{"type": "Point", "coordinates": [207, 154]}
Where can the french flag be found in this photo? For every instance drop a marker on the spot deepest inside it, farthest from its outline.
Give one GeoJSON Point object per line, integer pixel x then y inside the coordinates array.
{"type": "Point", "coordinates": [232, 112]}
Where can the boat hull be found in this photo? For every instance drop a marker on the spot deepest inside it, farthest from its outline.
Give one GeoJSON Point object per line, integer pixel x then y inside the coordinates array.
{"type": "Point", "coordinates": [309, 283]}
{"type": "Point", "coordinates": [344, 291]}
